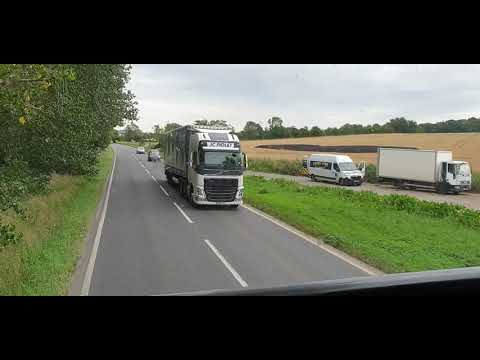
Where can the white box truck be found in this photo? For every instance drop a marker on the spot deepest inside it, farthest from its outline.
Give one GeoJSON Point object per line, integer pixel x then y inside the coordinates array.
{"type": "Point", "coordinates": [428, 169]}
{"type": "Point", "coordinates": [207, 164]}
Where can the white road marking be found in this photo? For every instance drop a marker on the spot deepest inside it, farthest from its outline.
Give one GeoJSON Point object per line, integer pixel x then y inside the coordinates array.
{"type": "Point", "coordinates": [153, 177]}
{"type": "Point", "coordinates": [93, 255]}
{"type": "Point", "coordinates": [183, 213]}
{"type": "Point", "coordinates": [352, 261]}
{"type": "Point", "coordinates": [163, 189]}
{"type": "Point", "coordinates": [230, 268]}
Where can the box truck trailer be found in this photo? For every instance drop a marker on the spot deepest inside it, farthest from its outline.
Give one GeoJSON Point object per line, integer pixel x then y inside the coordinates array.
{"type": "Point", "coordinates": [207, 164]}
{"type": "Point", "coordinates": [429, 169]}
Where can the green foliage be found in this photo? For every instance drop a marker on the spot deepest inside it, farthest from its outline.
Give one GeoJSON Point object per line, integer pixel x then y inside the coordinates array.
{"type": "Point", "coordinates": [8, 235]}
{"type": "Point", "coordinates": [371, 173]}
{"type": "Point", "coordinates": [59, 117]}
{"type": "Point", "coordinates": [276, 129]}
{"type": "Point", "coordinates": [16, 182]}
{"type": "Point", "coordinates": [394, 233]}
{"type": "Point", "coordinates": [286, 167]}
{"type": "Point", "coordinates": [476, 182]}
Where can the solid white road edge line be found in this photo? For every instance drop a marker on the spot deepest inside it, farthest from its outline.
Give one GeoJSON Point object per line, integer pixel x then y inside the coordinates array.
{"type": "Point", "coordinates": [352, 261]}
{"type": "Point", "coordinates": [183, 213]}
{"type": "Point", "coordinates": [93, 255]}
{"type": "Point", "coordinates": [230, 268]}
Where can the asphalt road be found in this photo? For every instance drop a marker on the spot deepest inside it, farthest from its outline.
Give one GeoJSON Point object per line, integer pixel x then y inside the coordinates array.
{"type": "Point", "coordinates": [153, 242]}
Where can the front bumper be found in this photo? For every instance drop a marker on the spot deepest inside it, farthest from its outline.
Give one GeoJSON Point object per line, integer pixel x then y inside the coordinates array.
{"type": "Point", "coordinates": [206, 202]}
{"type": "Point", "coordinates": [353, 181]}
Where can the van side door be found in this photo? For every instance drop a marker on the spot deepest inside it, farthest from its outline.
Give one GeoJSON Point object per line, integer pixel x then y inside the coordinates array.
{"type": "Point", "coordinates": [328, 170]}
{"type": "Point", "coordinates": [314, 167]}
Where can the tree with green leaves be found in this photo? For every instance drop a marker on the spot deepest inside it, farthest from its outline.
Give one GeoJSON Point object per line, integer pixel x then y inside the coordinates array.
{"type": "Point", "coordinates": [66, 112]}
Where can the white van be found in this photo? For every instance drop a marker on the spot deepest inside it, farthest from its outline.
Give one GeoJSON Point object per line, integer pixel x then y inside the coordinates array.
{"type": "Point", "coordinates": [335, 168]}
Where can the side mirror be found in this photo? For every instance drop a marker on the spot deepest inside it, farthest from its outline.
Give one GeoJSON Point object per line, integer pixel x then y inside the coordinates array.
{"type": "Point", "coordinates": [245, 160]}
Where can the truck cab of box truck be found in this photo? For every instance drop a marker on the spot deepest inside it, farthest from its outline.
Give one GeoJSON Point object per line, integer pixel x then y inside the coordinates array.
{"type": "Point", "coordinates": [207, 163]}
{"type": "Point", "coordinates": [427, 169]}
{"type": "Point", "coordinates": [335, 168]}
{"type": "Point", "coordinates": [455, 176]}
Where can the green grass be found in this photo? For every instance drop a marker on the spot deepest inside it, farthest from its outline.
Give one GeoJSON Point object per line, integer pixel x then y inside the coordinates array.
{"type": "Point", "coordinates": [146, 145]}
{"type": "Point", "coordinates": [286, 167]}
{"type": "Point", "coordinates": [54, 231]}
{"type": "Point", "coordinates": [377, 232]}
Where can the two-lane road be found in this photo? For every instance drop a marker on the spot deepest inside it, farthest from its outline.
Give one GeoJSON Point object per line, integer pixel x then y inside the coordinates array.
{"type": "Point", "coordinates": [153, 242]}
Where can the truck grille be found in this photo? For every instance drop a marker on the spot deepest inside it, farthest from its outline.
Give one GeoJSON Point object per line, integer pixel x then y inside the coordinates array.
{"type": "Point", "coordinates": [220, 190]}
{"type": "Point", "coordinates": [356, 177]}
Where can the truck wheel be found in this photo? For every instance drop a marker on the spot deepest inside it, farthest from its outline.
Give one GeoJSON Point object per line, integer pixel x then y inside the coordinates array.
{"type": "Point", "coordinates": [169, 179]}
{"type": "Point", "coordinates": [341, 182]}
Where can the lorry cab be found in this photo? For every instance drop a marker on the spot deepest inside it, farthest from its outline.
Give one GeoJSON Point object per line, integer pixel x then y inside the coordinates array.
{"type": "Point", "coordinates": [455, 176]}
{"type": "Point", "coordinates": [207, 163]}
{"type": "Point", "coordinates": [335, 168]}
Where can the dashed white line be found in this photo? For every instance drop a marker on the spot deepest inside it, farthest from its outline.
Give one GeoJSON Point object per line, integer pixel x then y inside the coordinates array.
{"type": "Point", "coordinates": [230, 268]}
{"type": "Point", "coordinates": [163, 189]}
{"type": "Point", "coordinates": [183, 213]}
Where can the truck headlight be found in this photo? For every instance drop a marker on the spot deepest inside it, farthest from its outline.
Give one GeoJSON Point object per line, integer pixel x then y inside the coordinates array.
{"type": "Point", "coordinates": [240, 193]}
{"type": "Point", "coordinates": [199, 192]}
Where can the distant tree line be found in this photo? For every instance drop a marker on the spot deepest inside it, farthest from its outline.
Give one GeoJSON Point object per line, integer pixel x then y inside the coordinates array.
{"type": "Point", "coordinates": [276, 128]}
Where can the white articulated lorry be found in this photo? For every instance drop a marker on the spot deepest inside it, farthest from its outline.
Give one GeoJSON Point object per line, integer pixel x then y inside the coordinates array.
{"type": "Point", "coordinates": [207, 164]}
{"type": "Point", "coordinates": [428, 169]}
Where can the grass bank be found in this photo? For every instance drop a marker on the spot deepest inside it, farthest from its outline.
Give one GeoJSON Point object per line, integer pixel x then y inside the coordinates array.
{"type": "Point", "coordinates": [146, 145]}
{"type": "Point", "coordinates": [286, 167]}
{"type": "Point", "coordinates": [54, 227]}
{"type": "Point", "coordinates": [394, 233]}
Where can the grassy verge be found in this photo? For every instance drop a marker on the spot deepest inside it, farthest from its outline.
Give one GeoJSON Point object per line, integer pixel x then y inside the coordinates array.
{"type": "Point", "coordinates": [146, 145]}
{"type": "Point", "coordinates": [286, 167]}
{"type": "Point", "coordinates": [394, 233]}
{"type": "Point", "coordinates": [54, 229]}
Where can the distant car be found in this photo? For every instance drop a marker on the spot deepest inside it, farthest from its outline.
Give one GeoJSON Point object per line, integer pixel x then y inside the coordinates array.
{"type": "Point", "coordinates": [140, 150]}
{"type": "Point", "coordinates": [153, 155]}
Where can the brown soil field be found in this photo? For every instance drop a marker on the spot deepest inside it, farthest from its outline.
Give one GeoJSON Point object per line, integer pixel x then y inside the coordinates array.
{"type": "Point", "coordinates": [465, 146]}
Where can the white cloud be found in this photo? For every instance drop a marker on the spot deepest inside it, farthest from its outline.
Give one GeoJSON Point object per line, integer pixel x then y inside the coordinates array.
{"type": "Point", "coordinates": [304, 95]}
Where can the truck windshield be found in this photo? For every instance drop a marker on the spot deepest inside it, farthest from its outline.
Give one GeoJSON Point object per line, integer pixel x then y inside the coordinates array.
{"type": "Point", "coordinates": [462, 169]}
{"type": "Point", "coordinates": [347, 166]}
{"type": "Point", "coordinates": [221, 159]}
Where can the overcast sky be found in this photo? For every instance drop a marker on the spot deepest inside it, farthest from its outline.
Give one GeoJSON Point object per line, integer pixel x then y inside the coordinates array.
{"type": "Point", "coordinates": [304, 95]}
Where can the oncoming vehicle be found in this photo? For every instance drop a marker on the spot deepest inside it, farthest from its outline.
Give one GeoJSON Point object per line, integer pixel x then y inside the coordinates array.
{"type": "Point", "coordinates": [153, 155]}
{"type": "Point", "coordinates": [339, 169]}
{"type": "Point", "coordinates": [207, 164]}
{"type": "Point", "coordinates": [140, 150]}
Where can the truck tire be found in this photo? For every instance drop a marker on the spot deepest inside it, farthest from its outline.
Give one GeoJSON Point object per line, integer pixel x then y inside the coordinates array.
{"type": "Point", "coordinates": [169, 179]}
